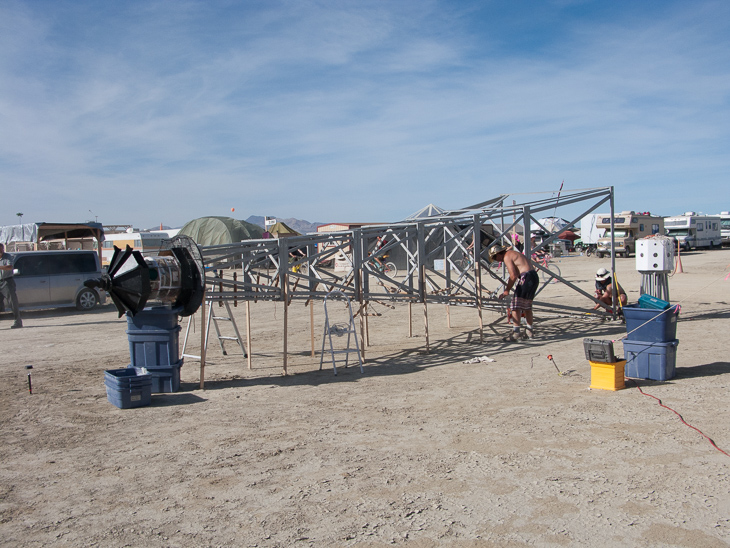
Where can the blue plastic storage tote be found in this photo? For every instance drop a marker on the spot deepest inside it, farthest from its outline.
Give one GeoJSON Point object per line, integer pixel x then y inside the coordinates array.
{"type": "Point", "coordinates": [650, 325]}
{"type": "Point", "coordinates": [156, 317]}
{"type": "Point", "coordinates": [154, 347]}
{"type": "Point", "coordinates": [127, 388]}
{"type": "Point", "coordinates": [130, 377]}
{"type": "Point", "coordinates": [164, 379]}
{"type": "Point", "coordinates": [650, 360]}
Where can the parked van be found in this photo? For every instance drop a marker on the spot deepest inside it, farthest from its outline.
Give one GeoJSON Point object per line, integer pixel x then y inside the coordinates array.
{"type": "Point", "coordinates": [48, 279]}
{"type": "Point", "coordinates": [725, 227]}
{"type": "Point", "coordinates": [692, 230]}
{"type": "Point", "coordinates": [628, 227]}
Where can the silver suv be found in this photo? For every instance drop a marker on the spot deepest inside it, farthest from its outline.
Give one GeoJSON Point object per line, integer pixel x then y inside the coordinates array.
{"type": "Point", "coordinates": [48, 279]}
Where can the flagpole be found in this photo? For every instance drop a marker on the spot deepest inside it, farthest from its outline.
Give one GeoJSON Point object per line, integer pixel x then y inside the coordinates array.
{"type": "Point", "coordinates": [558, 200]}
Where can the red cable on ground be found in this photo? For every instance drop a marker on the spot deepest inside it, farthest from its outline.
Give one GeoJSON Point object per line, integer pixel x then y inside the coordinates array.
{"type": "Point", "coordinates": [683, 421]}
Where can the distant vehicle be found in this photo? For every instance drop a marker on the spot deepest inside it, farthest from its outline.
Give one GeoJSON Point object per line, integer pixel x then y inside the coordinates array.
{"type": "Point", "coordinates": [693, 231]}
{"type": "Point", "coordinates": [628, 227]}
{"type": "Point", "coordinates": [582, 247]}
{"type": "Point", "coordinates": [725, 227]}
{"type": "Point", "coordinates": [147, 243]}
{"type": "Point", "coordinates": [49, 279]}
{"type": "Point", "coordinates": [589, 231]}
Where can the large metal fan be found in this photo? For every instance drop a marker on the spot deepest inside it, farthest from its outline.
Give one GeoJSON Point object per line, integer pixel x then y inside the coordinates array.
{"type": "Point", "coordinates": [175, 277]}
{"type": "Point", "coordinates": [130, 289]}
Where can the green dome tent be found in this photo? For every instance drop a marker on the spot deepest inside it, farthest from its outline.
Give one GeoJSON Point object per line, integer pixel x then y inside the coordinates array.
{"type": "Point", "coordinates": [220, 230]}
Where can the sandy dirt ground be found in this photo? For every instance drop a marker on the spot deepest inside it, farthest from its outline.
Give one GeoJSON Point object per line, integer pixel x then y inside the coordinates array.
{"type": "Point", "coordinates": [422, 448]}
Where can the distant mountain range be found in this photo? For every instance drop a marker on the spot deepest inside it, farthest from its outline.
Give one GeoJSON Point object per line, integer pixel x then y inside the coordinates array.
{"type": "Point", "coordinates": [303, 227]}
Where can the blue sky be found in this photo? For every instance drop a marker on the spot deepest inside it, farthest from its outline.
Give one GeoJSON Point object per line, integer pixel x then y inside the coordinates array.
{"type": "Point", "coordinates": [144, 112]}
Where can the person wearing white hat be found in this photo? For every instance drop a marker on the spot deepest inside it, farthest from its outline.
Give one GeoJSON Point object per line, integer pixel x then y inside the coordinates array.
{"type": "Point", "coordinates": [525, 281]}
{"type": "Point", "coordinates": [604, 289]}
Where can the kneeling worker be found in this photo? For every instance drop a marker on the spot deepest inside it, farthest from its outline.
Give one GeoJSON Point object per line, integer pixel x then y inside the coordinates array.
{"type": "Point", "coordinates": [525, 281]}
{"type": "Point", "coordinates": [604, 289]}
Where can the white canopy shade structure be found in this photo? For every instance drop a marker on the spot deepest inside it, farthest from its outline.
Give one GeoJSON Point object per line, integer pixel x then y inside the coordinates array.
{"type": "Point", "coordinates": [424, 213]}
{"type": "Point", "coordinates": [552, 224]}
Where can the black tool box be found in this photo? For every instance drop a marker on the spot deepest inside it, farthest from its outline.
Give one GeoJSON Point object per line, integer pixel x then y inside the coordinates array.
{"type": "Point", "coordinates": [599, 351]}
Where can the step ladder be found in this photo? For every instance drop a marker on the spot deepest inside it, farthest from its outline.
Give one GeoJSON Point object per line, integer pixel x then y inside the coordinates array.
{"type": "Point", "coordinates": [214, 319]}
{"type": "Point", "coordinates": [339, 330]}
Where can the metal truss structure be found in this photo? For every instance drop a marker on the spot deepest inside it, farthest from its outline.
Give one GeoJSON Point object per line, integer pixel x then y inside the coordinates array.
{"type": "Point", "coordinates": [435, 257]}
{"type": "Point", "coordinates": [438, 262]}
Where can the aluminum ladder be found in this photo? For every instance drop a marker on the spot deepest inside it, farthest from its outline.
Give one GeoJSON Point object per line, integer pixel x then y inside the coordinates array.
{"type": "Point", "coordinates": [214, 319]}
{"type": "Point", "coordinates": [339, 330]}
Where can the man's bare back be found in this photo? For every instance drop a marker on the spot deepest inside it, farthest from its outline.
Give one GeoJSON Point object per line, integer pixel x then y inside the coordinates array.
{"type": "Point", "coordinates": [516, 263]}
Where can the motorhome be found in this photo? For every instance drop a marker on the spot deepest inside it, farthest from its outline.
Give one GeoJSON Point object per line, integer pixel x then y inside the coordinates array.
{"type": "Point", "coordinates": [694, 230]}
{"type": "Point", "coordinates": [628, 227]}
{"type": "Point", "coordinates": [148, 243]}
{"type": "Point", "coordinates": [725, 227]}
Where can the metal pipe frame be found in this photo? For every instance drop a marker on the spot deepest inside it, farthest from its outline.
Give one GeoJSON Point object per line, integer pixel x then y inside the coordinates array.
{"type": "Point", "coordinates": [308, 267]}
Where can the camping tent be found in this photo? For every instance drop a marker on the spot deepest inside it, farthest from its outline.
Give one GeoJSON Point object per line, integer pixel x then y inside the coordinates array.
{"type": "Point", "coordinates": [282, 230]}
{"type": "Point", "coordinates": [220, 230]}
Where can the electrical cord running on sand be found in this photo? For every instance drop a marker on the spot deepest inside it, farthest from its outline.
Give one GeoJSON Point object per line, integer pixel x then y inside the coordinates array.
{"type": "Point", "coordinates": [681, 419]}
{"type": "Point", "coordinates": [677, 308]}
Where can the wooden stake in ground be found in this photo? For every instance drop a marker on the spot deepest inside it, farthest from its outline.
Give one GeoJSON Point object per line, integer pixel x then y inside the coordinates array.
{"type": "Point", "coordinates": [203, 333]}
{"type": "Point", "coordinates": [311, 323]}
{"type": "Point", "coordinates": [425, 321]}
{"type": "Point", "coordinates": [361, 313]}
{"type": "Point", "coordinates": [248, 332]}
{"type": "Point", "coordinates": [479, 308]}
{"type": "Point", "coordinates": [286, 321]}
{"type": "Point", "coordinates": [367, 325]}
{"type": "Point", "coordinates": [410, 320]}
{"type": "Point", "coordinates": [422, 285]}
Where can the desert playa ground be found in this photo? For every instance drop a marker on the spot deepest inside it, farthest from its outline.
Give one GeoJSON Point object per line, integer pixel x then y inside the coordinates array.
{"type": "Point", "coordinates": [421, 448]}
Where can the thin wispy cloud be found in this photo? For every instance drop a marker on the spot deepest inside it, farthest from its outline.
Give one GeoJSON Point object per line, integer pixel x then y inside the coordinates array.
{"type": "Point", "coordinates": [165, 111]}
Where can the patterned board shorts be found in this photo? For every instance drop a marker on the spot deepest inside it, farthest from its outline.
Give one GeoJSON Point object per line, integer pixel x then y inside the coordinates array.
{"type": "Point", "coordinates": [525, 290]}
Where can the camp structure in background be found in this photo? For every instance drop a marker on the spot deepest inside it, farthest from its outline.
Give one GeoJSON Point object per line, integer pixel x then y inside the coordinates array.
{"type": "Point", "coordinates": [282, 230]}
{"type": "Point", "coordinates": [43, 236]}
{"type": "Point", "coordinates": [426, 212]}
{"type": "Point", "coordinates": [220, 230]}
{"type": "Point", "coordinates": [146, 242]}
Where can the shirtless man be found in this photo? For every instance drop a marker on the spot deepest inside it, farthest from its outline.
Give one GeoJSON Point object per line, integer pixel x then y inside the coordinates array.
{"type": "Point", "coordinates": [525, 281]}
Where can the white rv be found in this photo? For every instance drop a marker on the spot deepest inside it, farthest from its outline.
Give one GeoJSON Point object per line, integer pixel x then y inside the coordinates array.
{"type": "Point", "coordinates": [148, 243]}
{"type": "Point", "coordinates": [693, 230]}
{"type": "Point", "coordinates": [628, 227]}
{"type": "Point", "coordinates": [725, 227]}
